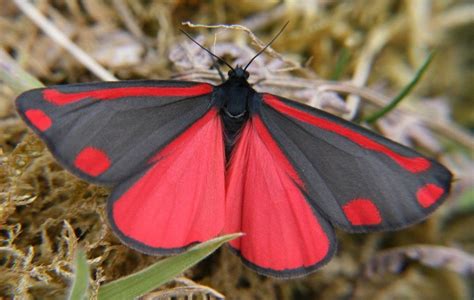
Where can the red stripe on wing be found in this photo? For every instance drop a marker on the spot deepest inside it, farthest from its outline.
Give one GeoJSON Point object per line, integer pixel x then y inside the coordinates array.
{"type": "Point", "coordinates": [59, 98]}
{"type": "Point", "coordinates": [265, 202]}
{"type": "Point", "coordinates": [411, 164]}
{"type": "Point", "coordinates": [180, 199]}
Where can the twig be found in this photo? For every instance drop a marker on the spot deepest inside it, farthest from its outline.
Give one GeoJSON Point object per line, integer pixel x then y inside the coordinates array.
{"type": "Point", "coordinates": [189, 283]}
{"type": "Point", "coordinates": [434, 256]}
{"type": "Point", "coordinates": [262, 19]}
{"type": "Point", "coordinates": [252, 36]}
{"type": "Point", "coordinates": [10, 122]}
{"type": "Point", "coordinates": [178, 293]}
{"type": "Point", "coordinates": [419, 16]}
{"type": "Point", "coordinates": [377, 39]}
{"type": "Point", "coordinates": [55, 34]}
{"type": "Point", "coordinates": [189, 289]}
{"type": "Point", "coordinates": [128, 19]}
{"type": "Point", "coordinates": [456, 16]}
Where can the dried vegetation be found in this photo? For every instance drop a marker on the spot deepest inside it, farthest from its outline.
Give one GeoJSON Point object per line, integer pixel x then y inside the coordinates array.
{"type": "Point", "coordinates": [349, 57]}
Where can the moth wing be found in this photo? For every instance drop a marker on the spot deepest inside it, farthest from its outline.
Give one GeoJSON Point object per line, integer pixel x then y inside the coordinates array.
{"type": "Point", "coordinates": [179, 199]}
{"type": "Point", "coordinates": [105, 132]}
{"type": "Point", "coordinates": [358, 180]}
{"type": "Point", "coordinates": [284, 236]}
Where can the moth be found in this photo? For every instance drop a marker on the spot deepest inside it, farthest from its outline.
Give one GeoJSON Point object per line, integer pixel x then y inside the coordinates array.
{"type": "Point", "coordinates": [188, 161]}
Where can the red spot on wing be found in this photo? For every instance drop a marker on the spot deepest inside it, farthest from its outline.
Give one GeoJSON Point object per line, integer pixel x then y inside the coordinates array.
{"type": "Point", "coordinates": [428, 194]}
{"type": "Point", "coordinates": [180, 200]}
{"type": "Point", "coordinates": [59, 98]}
{"type": "Point", "coordinates": [39, 119]}
{"type": "Point", "coordinates": [264, 200]}
{"type": "Point", "coordinates": [412, 164]}
{"type": "Point", "coordinates": [92, 161]}
{"type": "Point", "coordinates": [362, 212]}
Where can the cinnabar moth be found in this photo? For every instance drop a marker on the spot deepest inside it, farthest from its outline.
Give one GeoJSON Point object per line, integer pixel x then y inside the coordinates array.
{"type": "Point", "coordinates": [188, 161]}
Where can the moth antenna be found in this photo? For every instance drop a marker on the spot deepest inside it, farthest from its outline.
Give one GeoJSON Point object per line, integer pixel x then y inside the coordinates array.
{"type": "Point", "coordinates": [205, 49]}
{"type": "Point", "coordinates": [268, 45]}
{"type": "Point", "coordinates": [216, 66]}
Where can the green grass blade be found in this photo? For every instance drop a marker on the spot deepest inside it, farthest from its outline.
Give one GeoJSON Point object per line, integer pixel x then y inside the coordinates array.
{"type": "Point", "coordinates": [341, 64]}
{"type": "Point", "coordinates": [146, 280]}
{"type": "Point", "coordinates": [407, 89]}
{"type": "Point", "coordinates": [14, 76]}
{"type": "Point", "coordinates": [80, 284]}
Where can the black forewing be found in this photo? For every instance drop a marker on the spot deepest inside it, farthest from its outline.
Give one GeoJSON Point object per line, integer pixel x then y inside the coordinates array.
{"type": "Point", "coordinates": [128, 129]}
{"type": "Point", "coordinates": [357, 189]}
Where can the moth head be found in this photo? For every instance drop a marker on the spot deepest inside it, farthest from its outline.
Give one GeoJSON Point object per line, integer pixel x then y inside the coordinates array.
{"type": "Point", "coordinates": [238, 72]}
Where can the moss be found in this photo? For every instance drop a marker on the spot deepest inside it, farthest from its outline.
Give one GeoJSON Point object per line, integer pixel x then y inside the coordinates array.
{"type": "Point", "coordinates": [45, 212]}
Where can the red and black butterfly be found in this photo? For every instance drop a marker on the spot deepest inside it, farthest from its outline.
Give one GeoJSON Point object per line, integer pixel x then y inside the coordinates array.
{"type": "Point", "coordinates": [189, 161]}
